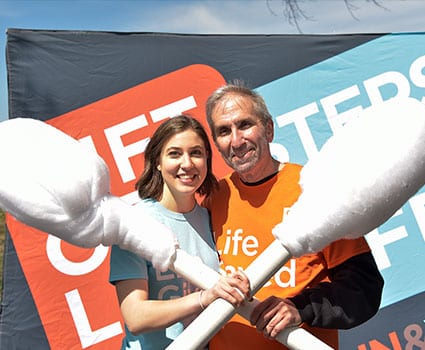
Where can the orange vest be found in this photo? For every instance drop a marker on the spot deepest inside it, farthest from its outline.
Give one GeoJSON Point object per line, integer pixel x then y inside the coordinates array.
{"type": "Point", "coordinates": [242, 219]}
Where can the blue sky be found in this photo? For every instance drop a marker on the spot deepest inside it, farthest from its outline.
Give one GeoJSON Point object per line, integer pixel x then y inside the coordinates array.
{"type": "Point", "coordinates": [205, 17]}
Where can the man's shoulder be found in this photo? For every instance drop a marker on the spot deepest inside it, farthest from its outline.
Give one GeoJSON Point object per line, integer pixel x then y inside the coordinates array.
{"type": "Point", "coordinates": [290, 170]}
{"type": "Point", "coordinates": [292, 166]}
{"type": "Point", "coordinates": [226, 180]}
{"type": "Point", "coordinates": [220, 193]}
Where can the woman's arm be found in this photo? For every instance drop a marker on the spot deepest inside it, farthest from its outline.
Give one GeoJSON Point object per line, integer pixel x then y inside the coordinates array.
{"type": "Point", "coordinates": [143, 315]}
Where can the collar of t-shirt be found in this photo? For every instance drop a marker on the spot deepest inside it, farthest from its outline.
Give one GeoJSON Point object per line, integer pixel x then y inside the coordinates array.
{"type": "Point", "coordinates": [267, 178]}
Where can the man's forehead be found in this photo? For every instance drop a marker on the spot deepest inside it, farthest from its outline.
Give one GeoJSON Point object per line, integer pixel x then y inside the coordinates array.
{"type": "Point", "coordinates": [233, 107]}
{"type": "Point", "coordinates": [233, 102]}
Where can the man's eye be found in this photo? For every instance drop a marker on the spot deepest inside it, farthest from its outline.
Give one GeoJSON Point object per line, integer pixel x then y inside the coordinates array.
{"type": "Point", "coordinates": [222, 132]}
{"type": "Point", "coordinates": [245, 125]}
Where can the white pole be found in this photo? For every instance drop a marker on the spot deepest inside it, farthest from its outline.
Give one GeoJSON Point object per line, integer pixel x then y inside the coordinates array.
{"type": "Point", "coordinates": [209, 322]}
{"type": "Point", "coordinates": [201, 275]}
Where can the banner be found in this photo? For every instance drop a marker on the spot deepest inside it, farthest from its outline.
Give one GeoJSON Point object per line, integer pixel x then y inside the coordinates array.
{"type": "Point", "coordinates": [111, 90]}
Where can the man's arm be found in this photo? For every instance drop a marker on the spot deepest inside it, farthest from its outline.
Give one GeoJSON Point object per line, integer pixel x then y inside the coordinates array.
{"type": "Point", "coordinates": [352, 297]}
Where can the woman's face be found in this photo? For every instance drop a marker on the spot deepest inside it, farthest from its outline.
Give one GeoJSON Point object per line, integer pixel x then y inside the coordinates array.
{"type": "Point", "coordinates": [183, 163]}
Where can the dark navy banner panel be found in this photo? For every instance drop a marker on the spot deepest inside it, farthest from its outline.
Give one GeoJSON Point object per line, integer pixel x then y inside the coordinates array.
{"type": "Point", "coordinates": [77, 68]}
{"type": "Point", "coordinates": [111, 90]}
{"type": "Point", "coordinates": [397, 326]}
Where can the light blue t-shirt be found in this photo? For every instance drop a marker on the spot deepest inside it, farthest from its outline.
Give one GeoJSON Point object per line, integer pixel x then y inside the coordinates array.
{"type": "Point", "coordinates": [193, 232]}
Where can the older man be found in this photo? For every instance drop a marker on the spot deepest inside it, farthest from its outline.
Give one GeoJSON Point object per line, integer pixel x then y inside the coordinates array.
{"type": "Point", "coordinates": [337, 288]}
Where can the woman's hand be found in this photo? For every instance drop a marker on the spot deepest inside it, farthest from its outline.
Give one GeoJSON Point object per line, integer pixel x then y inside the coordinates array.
{"type": "Point", "coordinates": [234, 288]}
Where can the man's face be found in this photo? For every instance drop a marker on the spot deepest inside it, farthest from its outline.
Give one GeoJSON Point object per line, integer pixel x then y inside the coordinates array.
{"type": "Point", "coordinates": [241, 138]}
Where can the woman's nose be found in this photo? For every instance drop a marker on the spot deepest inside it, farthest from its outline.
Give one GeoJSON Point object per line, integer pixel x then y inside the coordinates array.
{"type": "Point", "coordinates": [186, 161]}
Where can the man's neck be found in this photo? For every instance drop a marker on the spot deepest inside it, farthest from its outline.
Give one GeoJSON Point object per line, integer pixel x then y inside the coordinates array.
{"type": "Point", "coordinates": [259, 177]}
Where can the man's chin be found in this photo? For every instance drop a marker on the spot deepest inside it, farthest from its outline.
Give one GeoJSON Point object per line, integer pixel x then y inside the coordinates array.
{"type": "Point", "coordinates": [242, 168]}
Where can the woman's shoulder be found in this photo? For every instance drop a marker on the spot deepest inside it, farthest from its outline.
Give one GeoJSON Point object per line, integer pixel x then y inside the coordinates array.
{"type": "Point", "coordinates": [147, 203]}
{"type": "Point", "coordinates": [200, 210]}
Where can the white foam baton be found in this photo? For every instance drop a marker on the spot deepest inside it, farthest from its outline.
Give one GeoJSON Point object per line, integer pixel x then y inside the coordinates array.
{"type": "Point", "coordinates": [50, 181]}
{"type": "Point", "coordinates": [362, 175]}
{"type": "Point", "coordinates": [201, 275]}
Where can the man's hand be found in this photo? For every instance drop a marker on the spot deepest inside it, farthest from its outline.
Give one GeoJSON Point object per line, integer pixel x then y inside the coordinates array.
{"type": "Point", "coordinates": [273, 315]}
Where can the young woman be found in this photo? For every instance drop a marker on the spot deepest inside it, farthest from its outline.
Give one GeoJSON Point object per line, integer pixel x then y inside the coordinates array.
{"type": "Point", "coordinates": [157, 306]}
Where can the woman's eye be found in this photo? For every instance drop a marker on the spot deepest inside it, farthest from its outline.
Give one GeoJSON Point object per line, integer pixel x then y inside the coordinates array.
{"type": "Point", "coordinates": [197, 153]}
{"type": "Point", "coordinates": [173, 154]}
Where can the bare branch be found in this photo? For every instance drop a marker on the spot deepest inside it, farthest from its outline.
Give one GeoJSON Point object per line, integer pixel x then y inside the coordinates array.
{"type": "Point", "coordinates": [293, 13]}
{"type": "Point", "coordinates": [352, 8]}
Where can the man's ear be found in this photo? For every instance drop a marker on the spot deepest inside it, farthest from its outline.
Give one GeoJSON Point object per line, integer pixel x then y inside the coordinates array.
{"type": "Point", "coordinates": [270, 130]}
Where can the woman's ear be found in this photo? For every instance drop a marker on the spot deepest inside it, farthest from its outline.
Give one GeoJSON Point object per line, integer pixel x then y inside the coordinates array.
{"type": "Point", "coordinates": [158, 167]}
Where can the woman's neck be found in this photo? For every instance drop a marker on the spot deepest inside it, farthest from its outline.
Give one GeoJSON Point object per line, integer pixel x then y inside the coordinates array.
{"type": "Point", "coordinates": [183, 204]}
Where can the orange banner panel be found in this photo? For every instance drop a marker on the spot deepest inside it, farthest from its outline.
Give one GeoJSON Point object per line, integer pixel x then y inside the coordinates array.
{"type": "Point", "coordinates": [77, 305]}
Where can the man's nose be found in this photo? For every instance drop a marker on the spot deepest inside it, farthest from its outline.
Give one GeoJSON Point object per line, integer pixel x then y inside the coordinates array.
{"type": "Point", "coordinates": [237, 138]}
